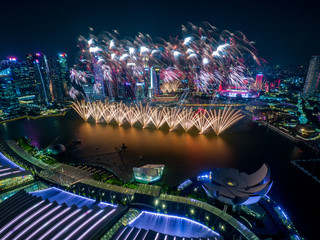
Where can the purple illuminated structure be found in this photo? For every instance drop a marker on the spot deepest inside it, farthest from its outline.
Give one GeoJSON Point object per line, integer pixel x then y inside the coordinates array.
{"type": "Point", "coordinates": [242, 93]}
{"type": "Point", "coordinates": [171, 225]}
{"type": "Point", "coordinates": [60, 196]}
{"type": "Point", "coordinates": [51, 215]}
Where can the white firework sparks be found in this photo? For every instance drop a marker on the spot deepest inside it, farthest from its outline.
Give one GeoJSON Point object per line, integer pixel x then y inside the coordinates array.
{"type": "Point", "coordinates": [203, 120]}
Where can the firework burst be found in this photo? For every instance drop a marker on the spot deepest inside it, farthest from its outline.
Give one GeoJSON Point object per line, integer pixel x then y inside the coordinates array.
{"type": "Point", "coordinates": [120, 113]}
{"type": "Point", "coordinates": [171, 116]}
{"type": "Point", "coordinates": [203, 55]}
{"type": "Point", "coordinates": [186, 119]}
{"type": "Point", "coordinates": [144, 113]}
{"type": "Point", "coordinates": [157, 117]}
{"type": "Point", "coordinates": [132, 115]}
{"type": "Point", "coordinates": [202, 119]}
{"type": "Point", "coordinates": [224, 119]}
{"type": "Point", "coordinates": [83, 109]}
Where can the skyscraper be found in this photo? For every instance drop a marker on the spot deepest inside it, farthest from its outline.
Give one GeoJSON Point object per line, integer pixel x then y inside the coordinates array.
{"type": "Point", "coordinates": [34, 77]}
{"type": "Point", "coordinates": [43, 75]}
{"type": "Point", "coordinates": [24, 79]}
{"type": "Point", "coordinates": [312, 80]}
{"type": "Point", "coordinates": [8, 94]}
{"type": "Point", "coordinates": [38, 81]}
{"type": "Point", "coordinates": [21, 78]}
{"type": "Point", "coordinates": [64, 72]}
{"type": "Point", "coordinates": [55, 82]}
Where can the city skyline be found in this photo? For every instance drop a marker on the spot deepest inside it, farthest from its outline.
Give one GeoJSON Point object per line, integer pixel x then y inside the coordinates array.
{"type": "Point", "coordinates": [159, 120]}
{"type": "Point", "coordinates": [284, 33]}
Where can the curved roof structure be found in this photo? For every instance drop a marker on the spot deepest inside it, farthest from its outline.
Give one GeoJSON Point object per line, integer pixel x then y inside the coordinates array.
{"type": "Point", "coordinates": [25, 216]}
{"type": "Point", "coordinates": [55, 194]}
{"type": "Point", "coordinates": [234, 187]}
{"type": "Point", "coordinates": [9, 169]}
{"type": "Point", "coordinates": [51, 214]}
{"type": "Point", "coordinates": [128, 232]}
{"type": "Point", "coordinates": [4, 161]}
{"type": "Point", "coordinates": [172, 225]}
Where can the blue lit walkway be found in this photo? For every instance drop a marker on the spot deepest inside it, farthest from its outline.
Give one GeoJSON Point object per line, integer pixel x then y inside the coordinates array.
{"type": "Point", "coordinates": [5, 161]}
{"type": "Point", "coordinates": [172, 225]}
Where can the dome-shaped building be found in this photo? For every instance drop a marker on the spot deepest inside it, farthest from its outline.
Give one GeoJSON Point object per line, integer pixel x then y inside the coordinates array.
{"type": "Point", "coordinates": [257, 105]}
{"type": "Point", "coordinates": [234, 187]}
{"type": "Point", "coordinates": [286, 107]}
{"type": "Point", "coordinates": [57, 149]}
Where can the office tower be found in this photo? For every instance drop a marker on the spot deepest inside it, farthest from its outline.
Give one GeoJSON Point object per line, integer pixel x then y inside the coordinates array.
{"type": "Point", "coordinates": [312, 80]}
{"type": "Point", "coordinates": [64, 74]}
{"type": "Point", "coordinates": [55, 82]}
{"type": "Point", "coordinates": [38, 81]}
{"type": "Point", "coordinates": [43, 75]}
{"type": "Point", "coordinates": [35, 82]}
{"type": "Point", "coordinates": [8, 94]}
{"type": "Point", "coordinates": [21, 78]}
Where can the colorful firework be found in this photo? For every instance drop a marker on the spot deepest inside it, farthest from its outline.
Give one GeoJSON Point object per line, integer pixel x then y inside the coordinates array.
{"type": "Point", "coordinates": [202, 55]}
{"type": "Point", "coordinates": [224, 119]}
{"type": "Point", "coordinates": [202, 119]}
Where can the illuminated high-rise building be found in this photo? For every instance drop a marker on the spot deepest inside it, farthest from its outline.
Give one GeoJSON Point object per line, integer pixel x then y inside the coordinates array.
{"type": "Point", "coordinates": [53, 76]}
{"type": "Point", "coordinates": [8, 94]}
{"type": "Point", "coordinates": [39, 81]}
{"type": "Point", "coordinates": [35, 79]}
{"type": "Point", "coordinates": [55, 82]}
{"type": "Point", "coordinates": [21, 77]}
{"type": "Point", "coordinates": [24, 79]}
{"type": "Point", "coordinates": [43, 74]}
{"type": "Point", "coordinates": [312, 80]}
{"type": "Point", "coordinates": [259, 78]}
{"type": "Point", "coordinates": [155, 79]}
{"type": "Point", "coordinates": [64, 72]}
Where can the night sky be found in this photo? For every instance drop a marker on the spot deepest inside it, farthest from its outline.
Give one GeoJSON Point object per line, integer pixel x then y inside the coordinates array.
{"type": "Point", "coordinates": [285, 32]}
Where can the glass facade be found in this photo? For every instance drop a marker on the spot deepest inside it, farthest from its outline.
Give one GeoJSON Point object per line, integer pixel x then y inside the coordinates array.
{"type": "Point", "coordinates": [8, 94]}
{"type": "Point", "coordinates": [36, 186]}
{"type": "Point", "coordinates": [14, 181]}
{"type": "Point", "coordinates": [64, 75]}
{"type": "Point", "coordinates": [148, 173]}
{"type": "Point", "coordinates": [312, 80]}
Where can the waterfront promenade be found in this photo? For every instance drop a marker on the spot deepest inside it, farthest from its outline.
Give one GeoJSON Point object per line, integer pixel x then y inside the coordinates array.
{"type": "Point", "coordinates": [105, 192]}
{"type": "Point", "coordinates": [280, 131]}
{"type": "Point", "coordinates": [34, 117]}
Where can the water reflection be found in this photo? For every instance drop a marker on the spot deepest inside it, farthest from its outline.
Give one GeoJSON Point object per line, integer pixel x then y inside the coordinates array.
{"type": "Point", "coordinates": [245, 146]}
{"type": "Point", "coordinates": [184, 154]}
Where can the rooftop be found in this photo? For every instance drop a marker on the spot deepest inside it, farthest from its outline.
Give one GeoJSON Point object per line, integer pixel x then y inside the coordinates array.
{"type": "Point", "coordinates": [60, 196]}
